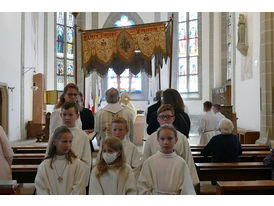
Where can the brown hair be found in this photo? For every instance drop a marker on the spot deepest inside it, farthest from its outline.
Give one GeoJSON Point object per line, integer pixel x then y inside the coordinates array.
{"type": "Point", "coordinates": [167, 126]}
{"type": "Point", "coordinates": [62, 99]}
{"type": "Point", "coordinates": [173, 97]}
{"type": "Point", "coordinates": [112, 95]}
{"type": "Point", "coordinates": [52, 148]}
{"type": "Point", "coordinates": [68, 105]}
{"type": "Point", "coordinates": [165, 107]}
{"type": "Point", "coordinates": [119, 120]}
{"type": "Point", "coordinates": [115, 144]}
{"type": "Point", "coordinates": [208, 104]}
{"type": "Point", "coordinates": [217, 106]}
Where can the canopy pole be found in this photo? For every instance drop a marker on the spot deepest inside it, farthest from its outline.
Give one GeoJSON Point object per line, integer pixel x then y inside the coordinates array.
{"type": "Point", "coordinates": [75, 14]}
{"type": "Point", "coordinates": [159, 79]}
{"type": "Point", "coordinates": [171, 47]}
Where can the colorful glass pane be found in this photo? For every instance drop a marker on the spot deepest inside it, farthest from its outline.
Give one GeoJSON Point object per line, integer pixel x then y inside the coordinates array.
{"type": "Point", "coordinates": [70, 51]}
{"type": "Point", "coordinates": [60, 49]}
{"type": "Point", "coordinates": [182, 31]}
{"type": "Point", "coordinates": [60, 33]}
{"type": "Point", "coordinates": [124, 84]}
{"type": "Point", "coordinates": [193, 15]}
{"type": "Point", "coordinates": [182, 84]}
{"type": "Point", "coordinates": [60, 66]}
{"type": "Point", "coordinates": [193, 66]}
{"type": "Point", "coordinates": [112, 79]}
{"type": "Point", "coordinates": [60, 83]}
{"type": "Point", "coordinates": [60, 17]}
{"type": "Point", "coordinates": [70, 19]}
{"type": "Point", "coordinates": [193, 29]}
{"type": "Point", "coordinates": [70, 80]}
{"type": "Point", "coordinates": [125, 73]}
{"type": "Point", "coordinates": [70, 68]}
{"type": "Point", "coordinates": [193, 83]}
{"type": "Point", "coordinates": [70, 32]}
{"type": "Point", "coordinates": [136, 83]}
{"type": "Point", "coordinates": [182, 48]}
{"type": "Point", "coordinates": [182, 66]}
{"type": "Point", "coordinates": [123, 21]}
{"type": "Point", "coordinates": [193, 47]}
{"type": "Point", "coordinates": [182, 16]}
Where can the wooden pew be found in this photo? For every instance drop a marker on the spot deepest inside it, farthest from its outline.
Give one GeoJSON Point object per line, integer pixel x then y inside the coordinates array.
{"type": "Point", "coordinates": [28, 159]}
{"type": "Point", "coordinates": [245, 147]}
{"type": "Point", "coordinates": [29, 149]}
{"type": "Point", "coordinates": [24, 173]}
{"type": "Point", "coordinates": [9, 187]}
{"type": "Point", "coordinates": [259, 187]}
{"type": "Point", "coordinates": [233, 171]}
{"type": "Point", "coordinates": [247, 156]}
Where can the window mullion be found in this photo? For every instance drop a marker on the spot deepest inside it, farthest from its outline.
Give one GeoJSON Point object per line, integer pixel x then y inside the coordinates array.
{"type": "Point", "coordinates": [65, 48]}
{"type": "Point", "coordinates": [187, 50]}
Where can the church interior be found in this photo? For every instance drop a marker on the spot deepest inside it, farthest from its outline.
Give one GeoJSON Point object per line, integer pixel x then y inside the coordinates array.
{"type": "Point", "coordinates": [223, 57]}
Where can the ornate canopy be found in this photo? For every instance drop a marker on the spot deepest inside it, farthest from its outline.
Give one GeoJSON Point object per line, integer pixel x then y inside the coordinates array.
{"type": "Point", "coordinates": [125, 47]}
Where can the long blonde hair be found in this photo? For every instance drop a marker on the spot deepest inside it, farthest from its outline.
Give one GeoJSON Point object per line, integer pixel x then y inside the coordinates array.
{"type": "Point", "coordinates": [115, 144]}
{"type": "Point", "coordinates": [52, 148]}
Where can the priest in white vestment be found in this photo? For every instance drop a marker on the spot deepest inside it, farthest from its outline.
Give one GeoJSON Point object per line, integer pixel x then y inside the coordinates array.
{"type": "Point", "coordinates": [104, 117]}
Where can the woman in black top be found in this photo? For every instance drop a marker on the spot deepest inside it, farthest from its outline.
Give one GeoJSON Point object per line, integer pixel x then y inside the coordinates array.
{"type": "Point", "coordinates": [182, 121]}
{"type": "Point", "coordinates": [225, 147]}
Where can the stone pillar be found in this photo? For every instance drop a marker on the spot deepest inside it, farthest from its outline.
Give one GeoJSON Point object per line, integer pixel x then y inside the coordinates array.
{"type": "Point", "coordinates": [267, 78]}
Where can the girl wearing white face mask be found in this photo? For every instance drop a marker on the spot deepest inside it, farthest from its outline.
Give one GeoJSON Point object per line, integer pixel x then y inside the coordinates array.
{"type": "Point", "coordinates": [111, 175]}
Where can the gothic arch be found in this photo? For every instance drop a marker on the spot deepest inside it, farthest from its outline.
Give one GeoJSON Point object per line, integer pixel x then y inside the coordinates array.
{"type": "Point", "coordinates": [114, 16]}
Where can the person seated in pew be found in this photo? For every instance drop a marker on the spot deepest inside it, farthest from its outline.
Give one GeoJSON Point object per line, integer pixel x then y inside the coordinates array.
{"type": "Point", "coordinates": [225, 147]}
{"type": "Point", "coordinates": [166, 115]}
{"type": "Point", "coordinates": [61, 173]}
{"type": "Point", "coordinates": [208, 124]}
{"type": "Point", "coordinates": [165, 172]}
{"type": "Point", "coordinates": [6, 156]}
{"type": "Point", "coordinates": [119, 129]}
{"type": "Point", "coordinates": [112, 175]}
{"type": "Point", "coordinates": [269, 161]}
{"type": "Point", "coordinates": [218, 115]}
{"type": "Point", "coordinates": [80, 143]}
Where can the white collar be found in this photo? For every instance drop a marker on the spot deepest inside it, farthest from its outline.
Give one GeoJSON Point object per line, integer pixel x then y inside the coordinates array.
{"type": "Point", "coordinates": [113, 108]}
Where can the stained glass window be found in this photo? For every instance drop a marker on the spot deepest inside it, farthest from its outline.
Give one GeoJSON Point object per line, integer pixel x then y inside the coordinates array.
{"type": "Point", "coordinates": [188, 53]}
{"type": "Point", "coordinates": [126, 82]}
{"type": "Point", "coordinates": [64, 49]}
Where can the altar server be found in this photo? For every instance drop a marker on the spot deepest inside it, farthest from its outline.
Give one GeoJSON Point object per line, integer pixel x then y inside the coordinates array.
{"type": "Point", "coordinates": [165, 172]}
{"type": "Point", "coordinates": [112, 176]}
{"type": "Point", "coordinates": [61, 173]}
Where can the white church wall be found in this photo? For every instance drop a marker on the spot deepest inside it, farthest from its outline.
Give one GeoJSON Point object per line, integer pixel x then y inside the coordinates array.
{"type": "Point", "coordinates": [247, 97]}
{"type": "Point", "coordinates": [10, 58]}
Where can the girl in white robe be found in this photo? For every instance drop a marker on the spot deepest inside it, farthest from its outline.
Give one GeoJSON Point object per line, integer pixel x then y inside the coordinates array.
{"type": "Point", "coordinates": [61, 173]}
{"type": "Point", "coordinates": [165, 172]}
{"type": "Point", "coordinates": [112, 176]}
{"type": "Point", "coordinates": [6, 156]}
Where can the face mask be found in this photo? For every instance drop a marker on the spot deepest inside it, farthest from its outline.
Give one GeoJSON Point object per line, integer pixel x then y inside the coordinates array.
{"type": "Point", "coordinates": [109, 157]}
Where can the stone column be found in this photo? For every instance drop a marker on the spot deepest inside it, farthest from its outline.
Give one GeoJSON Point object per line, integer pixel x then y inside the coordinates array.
{"type": "Point", "coordinates": [267, 78]}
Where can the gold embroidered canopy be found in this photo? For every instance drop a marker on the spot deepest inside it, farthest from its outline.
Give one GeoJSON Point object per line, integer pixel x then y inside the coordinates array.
{"type": "Point", "coordinates": [125, 47]}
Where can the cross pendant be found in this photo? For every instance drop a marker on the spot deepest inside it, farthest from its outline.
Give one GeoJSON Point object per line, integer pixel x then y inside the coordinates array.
{"type": "Point", "coordinates": [60, 179]}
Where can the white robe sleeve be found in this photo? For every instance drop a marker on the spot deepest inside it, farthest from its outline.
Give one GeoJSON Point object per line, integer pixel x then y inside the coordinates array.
{"type": "Point", "coordinates": [78, 187]}
{"type": "Point", "coordinates": [136, 162]}
{"type": "Point", "coordinates": [131, 187]}
{"type": "Point", "coordinates": [94, 186]}
{"type": "Point", "coordinates": [86, 158]}
{"type": "Point", "coordinates": [147, 150]}
{"type": "Point", "coordinates": [40, 182]}
{"type": "Point", "coordinates": [144, 183]}
{"type": "Point", "coordinates": [187, 186]}
{"type": "Point", "coordinates": [55, 121]}
{"type": "Point", "coordinates": [97, 128]}
{"type": "Point", "coordinates": [131, 127]}
{"type": "Point", "coordinates": [202, 126]}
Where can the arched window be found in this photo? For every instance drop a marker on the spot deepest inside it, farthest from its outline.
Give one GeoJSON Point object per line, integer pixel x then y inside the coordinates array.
{"type": "Point", "coordinates": [188, 54]}
{"type": "Point", "coordinates": [64, 50]}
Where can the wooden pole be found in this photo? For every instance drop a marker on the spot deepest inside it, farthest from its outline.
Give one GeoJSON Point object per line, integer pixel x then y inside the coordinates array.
{"type": "Point", "coordinates": [171, 47]}
{"type": "Point", "coordinates": [159, 78]}
{"type": "Point", "coordinates": [75, 14]}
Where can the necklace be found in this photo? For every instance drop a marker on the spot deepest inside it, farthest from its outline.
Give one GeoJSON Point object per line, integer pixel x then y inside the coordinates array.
{"type": "Point", "coordinates": [60, 178]}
